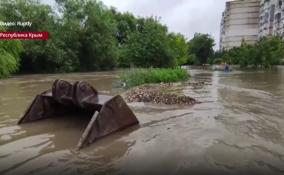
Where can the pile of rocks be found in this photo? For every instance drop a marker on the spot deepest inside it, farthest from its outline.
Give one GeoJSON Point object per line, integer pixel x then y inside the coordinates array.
{"type": "Point", "coordinates": [157, 93]}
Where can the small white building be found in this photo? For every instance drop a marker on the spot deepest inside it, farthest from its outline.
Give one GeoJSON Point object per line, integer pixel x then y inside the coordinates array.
{"type": "Point", "coordinates": [240, 22]}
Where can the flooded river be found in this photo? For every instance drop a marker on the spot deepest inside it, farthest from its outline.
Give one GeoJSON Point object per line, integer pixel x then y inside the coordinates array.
{"type": "Point", "coordinates": [237, 129]}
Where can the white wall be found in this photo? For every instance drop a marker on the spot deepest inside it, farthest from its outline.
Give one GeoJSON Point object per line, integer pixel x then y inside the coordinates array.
{"type": "Point", "coordinates": [241, 22]}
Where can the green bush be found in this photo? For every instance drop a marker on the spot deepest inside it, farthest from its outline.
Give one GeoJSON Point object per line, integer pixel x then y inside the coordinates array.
{"type": "Point", "coordinates": [8, 64]}
{"type": "Point", "coordinates": [200, 49]}
{"type": "Point", "coordinates": [266, 52]}
{"type": "Point", "coordinates": [9, 57]}
{"type": "Point", "coordinates": [144, 76]}
{"type": "Point", "coordinates": [282, 62]}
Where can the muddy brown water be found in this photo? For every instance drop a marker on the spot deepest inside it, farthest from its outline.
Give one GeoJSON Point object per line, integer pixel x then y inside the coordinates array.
{"type": "Point", "coordinates": [237, 129]}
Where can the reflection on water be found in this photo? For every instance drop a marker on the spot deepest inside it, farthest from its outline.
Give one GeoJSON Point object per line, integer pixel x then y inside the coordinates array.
{"type": "Point", "coordinates": [237, 129]}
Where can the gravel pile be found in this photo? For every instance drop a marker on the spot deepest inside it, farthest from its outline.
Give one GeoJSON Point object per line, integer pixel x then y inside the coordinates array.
{"type": "Point", "coordinates": [157, 93]}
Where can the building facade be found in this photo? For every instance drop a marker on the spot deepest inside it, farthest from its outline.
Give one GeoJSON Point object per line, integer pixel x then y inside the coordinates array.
{"type": "Point", "coordinates": [271, 18]}
{"type": "Point", "coordinates": [249, 20]}
{"type": "Point", "coordinates": [240, 22]}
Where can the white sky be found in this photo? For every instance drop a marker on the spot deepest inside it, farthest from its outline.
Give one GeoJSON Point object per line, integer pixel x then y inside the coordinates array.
{"type": "Point", "coordinates": [183, 16]}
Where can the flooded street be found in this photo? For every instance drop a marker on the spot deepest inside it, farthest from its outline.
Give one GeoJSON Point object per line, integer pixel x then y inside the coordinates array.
{"type": "Point", "coordinates": [237, 129]}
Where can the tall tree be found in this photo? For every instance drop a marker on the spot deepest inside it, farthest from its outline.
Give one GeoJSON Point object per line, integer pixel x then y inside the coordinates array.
{"type": "Point", "coordinates": [149, 45]}
{"type": "Point", "coordinates": [87, 36]}
{"type": "Point", "coordinates": [202, 47]}
{"type": "Point", "coordinates": [38, 55]}
{"type": "Point", "coordinates": [91, 28]}
{"type": "Point", "coordinates": [179, 48]}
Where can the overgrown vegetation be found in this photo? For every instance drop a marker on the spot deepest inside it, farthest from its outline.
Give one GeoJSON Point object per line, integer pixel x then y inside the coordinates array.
{"type": "Point", "coordinates": [9, 57]}
{"type": "Point", "coordinates": [200, 49]}
{"type": "Point", "coordinates": [265, 53]}
{"type": "Point", "coordinates": [153, 75]}
{"type": "Point", "coordinates": [88, 36]}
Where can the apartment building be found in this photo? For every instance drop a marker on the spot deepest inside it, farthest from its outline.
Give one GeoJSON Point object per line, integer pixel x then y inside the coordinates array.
{"type": "Point", "coordinates": [240, 22]}
{"type": "Point", "coordinates": [271, 18]}
{"type": "Point", "coordinates": [249, 20]}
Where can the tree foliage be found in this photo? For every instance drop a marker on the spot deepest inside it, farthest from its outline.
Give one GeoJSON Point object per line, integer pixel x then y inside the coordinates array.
{"type": "Point", "coordinates": [148, 46]}
{"type": "Point", "coordinates": [200, 48]}
{"type": "Point", "coordinates": [265, 53]}
{"type": "Point", "coordinates": [151, 45]}
{"type": "Point", "coordinates": [94, 25]}
{"type": "Point", "coordinates": [38, 56]}
{"type": "Point", "coordinates": [9, 56]}
{"type": "Point", "coordinates": [87, 36]}
{"type": "Point", "coordinates": [179, 47]}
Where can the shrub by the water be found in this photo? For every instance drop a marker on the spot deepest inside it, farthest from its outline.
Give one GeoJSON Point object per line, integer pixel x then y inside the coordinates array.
{"type": "Point", "coordinates": [88, 36]}
{"type": "Point", "coordinates": [8, 64]}
{"type": "Point", "coordinates": [154, 75]}
{"type": "Point", "coordinates": [266, 52]}
{"type": "Point", "coordinates": [282, 62]}
{"type": "Point", "coordinates": [9, 57]}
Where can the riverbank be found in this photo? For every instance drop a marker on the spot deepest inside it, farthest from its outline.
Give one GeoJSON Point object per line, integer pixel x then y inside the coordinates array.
{"type": "Point", "coordinates": [136, 77]}
{"type": "Point", "coordinates": [156, 85]}
{"type": "Point", "coordinates": [163, 93]}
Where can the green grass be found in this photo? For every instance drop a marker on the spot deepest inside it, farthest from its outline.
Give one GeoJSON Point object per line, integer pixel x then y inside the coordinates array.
{"type": "Point", "coordinates": [138, 77]}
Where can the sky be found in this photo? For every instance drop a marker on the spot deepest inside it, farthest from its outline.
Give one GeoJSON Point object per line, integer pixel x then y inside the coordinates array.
{"type": "Point", "coordinates": [184, 16]}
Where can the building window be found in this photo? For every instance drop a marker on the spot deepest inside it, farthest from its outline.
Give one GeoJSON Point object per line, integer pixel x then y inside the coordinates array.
{"type": "Point", "coordinates": [280, 4]}
{"type": "Point", "coordinates": [272, 11]}
{"type": "Point", "coordinates": [278, 17]}
{"type": "Point", "coordinates": [266, 17]}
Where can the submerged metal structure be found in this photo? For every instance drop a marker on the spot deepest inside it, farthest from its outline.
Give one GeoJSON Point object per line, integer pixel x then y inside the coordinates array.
{"type": "Point", "coordinates": [107, 114]}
